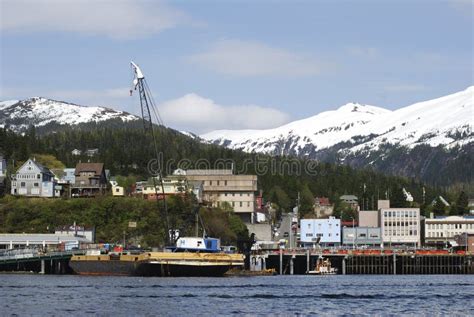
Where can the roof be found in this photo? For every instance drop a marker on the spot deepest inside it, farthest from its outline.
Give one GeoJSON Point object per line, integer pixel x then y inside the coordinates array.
{"type": "Point", "coordinates": [36, 238]}
{"type": "Point", "coordinates": [40, 166]}
{"type": "Point", "coordinates": [97, 168]}
{"type": "Point", "coordinates": [209, 172]}
{"type": "Point", "coordinates": [348, 197]}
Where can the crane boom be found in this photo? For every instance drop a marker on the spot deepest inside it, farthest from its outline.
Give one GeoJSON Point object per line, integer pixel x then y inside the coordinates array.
{"type": "Point", "coordinates": [147, 108]}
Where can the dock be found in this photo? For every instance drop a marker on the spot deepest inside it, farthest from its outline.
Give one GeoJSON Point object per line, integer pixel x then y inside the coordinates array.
{"type": "Point", "coordinates": [360, 262]}
{"type": "Point", "coordinates": [31, 260]}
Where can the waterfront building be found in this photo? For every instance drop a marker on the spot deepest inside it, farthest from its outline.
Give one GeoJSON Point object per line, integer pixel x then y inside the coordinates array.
{"type": "Point", "coordinates": [222, 187]}
{"type": "Point", "coordinates": [400, 226]}
{"type": "Point", "coordinates": [325, 232]}
{"type": "Point", "coordinates": [442, 229]}
{"type": "Point", "coordinates": [360, 236]}
{"type": "Point", "coordinates": [34, 180]}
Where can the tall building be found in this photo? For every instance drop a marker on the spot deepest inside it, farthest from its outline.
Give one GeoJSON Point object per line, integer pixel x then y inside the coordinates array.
{"type": "Point", "coordinates": [400, 226]}
{"type": "Point", "coordinates": [221, 186]}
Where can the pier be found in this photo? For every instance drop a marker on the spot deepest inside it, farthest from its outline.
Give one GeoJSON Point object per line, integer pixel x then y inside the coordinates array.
{"type": "Point", "coordinates": [31, 260]}
{"type": "Point", "coordinates": [300, 262]}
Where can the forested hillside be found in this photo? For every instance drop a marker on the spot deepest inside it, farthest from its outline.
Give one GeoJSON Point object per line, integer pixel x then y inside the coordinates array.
{"type": "Point", "coordinates": [126, 150]}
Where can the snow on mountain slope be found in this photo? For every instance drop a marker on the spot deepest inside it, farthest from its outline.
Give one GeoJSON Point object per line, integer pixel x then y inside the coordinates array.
{"type": "Point", "coordinates": [443, 121]}
{"type": "Point", "coordinates": [40, 111]}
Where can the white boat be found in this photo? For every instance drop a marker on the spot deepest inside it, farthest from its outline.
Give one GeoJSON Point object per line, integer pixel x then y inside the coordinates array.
{"type": "Point", "coordinates": [323, 267]}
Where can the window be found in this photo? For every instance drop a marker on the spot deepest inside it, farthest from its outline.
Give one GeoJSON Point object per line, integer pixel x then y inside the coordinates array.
{"type": "Point", "coordinates": [233, 204]}
{"type": "Point", "coordinates": [225, 194]}
{"type": "Point", "coordinates": [36, 184]}
{"type": "Point", "coordinates": [210, 183]}
{"type": "Point", "coordinates": [225, 183]}
{"type": "Point", "coordinates": [240, 204]}
{"type": "Point", "coordinates": [22, 184]}
{"type": "Point", "coordinates": [248, 204]}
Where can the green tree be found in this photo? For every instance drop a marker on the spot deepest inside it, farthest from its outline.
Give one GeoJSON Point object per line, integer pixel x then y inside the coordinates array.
{"type": "Point", "coordinates": [439, 208]}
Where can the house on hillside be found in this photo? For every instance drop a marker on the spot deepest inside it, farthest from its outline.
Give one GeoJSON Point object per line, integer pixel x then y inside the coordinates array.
{"type": "Point", "coordinates": [90, 180]}
{"type": "Point", "coordinates": [322, 207]}
{"type": "Point", "coordinates": [34, 180]}
{"type": "Point", "coordinates": [76, 152]}
{"type": "Point", "coordinates": [92, 152]}
{"type": "Point", "coordinates": [350, 200]}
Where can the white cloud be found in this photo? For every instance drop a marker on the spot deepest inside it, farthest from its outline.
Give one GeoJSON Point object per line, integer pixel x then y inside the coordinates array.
{"type": "Point", "coordinates": [123, 19]}
{"type": "Point", "coordinates": [247, 58]}
{"type": "Point", "coordinates": [199, 115]}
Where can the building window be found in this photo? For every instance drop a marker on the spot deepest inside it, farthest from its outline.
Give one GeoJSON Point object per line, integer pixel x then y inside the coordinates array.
{"type": "Point", "coordinates": [218, 183]}
{"type": "Point", "coordinates": [233, 204]}
{"type": "Point", "coordinates": [248, 204]}
{"type": "Point", "coordinates": [22, 184]}
{"type": "Point", "coordinates": [36, 184]}
{"type": "Point", "coordinates": [225, 194]}
{"type": "Point", "coordinates": [240, 204]}
{"type": "Point", "coordinates": [210, 183]}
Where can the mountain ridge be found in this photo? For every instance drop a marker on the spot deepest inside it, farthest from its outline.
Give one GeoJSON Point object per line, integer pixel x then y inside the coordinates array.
{"type": "Point", "coordinates": [330, 128]}
{"type": "Point", "coordinates": [18, 115]}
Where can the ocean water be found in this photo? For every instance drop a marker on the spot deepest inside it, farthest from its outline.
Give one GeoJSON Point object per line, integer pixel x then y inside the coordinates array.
{"type": "Point", "coordinates": [68, 295]}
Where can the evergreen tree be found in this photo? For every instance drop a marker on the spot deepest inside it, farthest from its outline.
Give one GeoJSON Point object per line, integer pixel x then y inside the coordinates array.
{"type": "Point", "coordinates": [462, 204]}
{"type": "Point", "coordinates": [439, 208]}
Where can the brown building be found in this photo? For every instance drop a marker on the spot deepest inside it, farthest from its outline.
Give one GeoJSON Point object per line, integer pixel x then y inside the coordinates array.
{"type": "Point", "coordinates": [90, 180]}
{"type": "Point", "coordinates": [222, 187]}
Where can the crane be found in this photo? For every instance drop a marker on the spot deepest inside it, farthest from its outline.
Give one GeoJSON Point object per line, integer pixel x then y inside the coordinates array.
{"type": "Point", "coordinates": [147, 105]}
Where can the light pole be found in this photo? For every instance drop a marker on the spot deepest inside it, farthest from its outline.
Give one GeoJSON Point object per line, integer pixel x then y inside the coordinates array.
{"type": "Point", "coordinates": [354, 234]}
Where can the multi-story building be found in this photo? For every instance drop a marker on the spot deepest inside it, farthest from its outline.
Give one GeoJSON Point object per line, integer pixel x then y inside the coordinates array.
{"type": "Point", "coordinates": [89, 180]}
{"type": "Point", "coordinates": [222, 187]}
{"type": "Point", "coordinates": [400, 226]}
{"type": "Point", "coordinates": [359, 236]}
{"type": "Point", "coordinates": [325, 232]}
{"type": "Point", "coordinates": [34, 180]}
{"type": "Point", "coordinates": [443, 229]}
{"type": "Point", "coordinates": [175, 184]}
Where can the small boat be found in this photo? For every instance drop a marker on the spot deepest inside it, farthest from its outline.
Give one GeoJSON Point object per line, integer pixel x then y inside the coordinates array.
{"type": "Point", "coordinates": [323, 267]}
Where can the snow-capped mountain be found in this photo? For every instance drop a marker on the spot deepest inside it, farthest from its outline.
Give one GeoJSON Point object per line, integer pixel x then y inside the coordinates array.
{"type": "Point", "coordinates": [446, 121]}
{"type": "Point", "coordinates": [18, 115]}
{"type": "Point", "coordinates": [431, 140]}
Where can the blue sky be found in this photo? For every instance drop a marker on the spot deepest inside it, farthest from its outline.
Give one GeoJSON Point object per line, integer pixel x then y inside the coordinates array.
{"type": "Point", "coordinates": [237, 64]}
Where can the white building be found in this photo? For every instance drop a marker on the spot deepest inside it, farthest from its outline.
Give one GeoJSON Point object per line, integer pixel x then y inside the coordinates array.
{"type": "Point", "coordinates": [34, 180]}
{"type": "Point", "coordinates": [323, 231]}
{"type": "Point", "coordinates": [400, 226]}
{"type": "Point", "coordinates": [445, 228]}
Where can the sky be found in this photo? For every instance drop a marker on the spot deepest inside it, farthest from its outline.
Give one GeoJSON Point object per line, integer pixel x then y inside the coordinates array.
{"type": "Point", "coordinates": [236, 64]}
